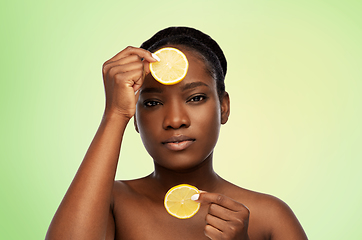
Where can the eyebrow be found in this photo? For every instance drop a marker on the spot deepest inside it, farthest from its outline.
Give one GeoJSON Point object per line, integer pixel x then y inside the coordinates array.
{"type": "Point", "coordinates": [185, 87]}
{"type": "Point", "coordinates": [193, 85]}
{"type": "Point", "coordinates": [152, 90]}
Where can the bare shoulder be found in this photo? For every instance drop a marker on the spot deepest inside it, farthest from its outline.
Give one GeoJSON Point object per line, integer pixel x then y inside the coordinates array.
{"type": "Point", "coordinates": [127, 188]}
{"type": "Point", "coordinates": [131, 192]}
{"type": "Point", "coordinates": [269, 213]}
{"type": "Point", "coordinates": [122, 195]}
{"type": "Point", "coordinates": [120, 189]}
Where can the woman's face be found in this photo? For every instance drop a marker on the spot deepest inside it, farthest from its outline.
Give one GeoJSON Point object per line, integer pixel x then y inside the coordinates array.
{"type": "Point", "coordinates": [179, 124]}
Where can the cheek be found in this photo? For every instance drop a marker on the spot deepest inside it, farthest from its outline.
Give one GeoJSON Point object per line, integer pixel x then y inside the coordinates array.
{"type": "Point", "coordinates": [142, 117]}
{"type": "Point", "coordinates": [207, 121]}
{"type": "Point", "coordinates": [207, 116]}
{"type": "Point", "coordinates": [148, 124]}
{"type": "Point", "coordinates": [145, 123]}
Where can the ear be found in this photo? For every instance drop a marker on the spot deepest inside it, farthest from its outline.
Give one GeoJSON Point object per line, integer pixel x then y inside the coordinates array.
{"type": "Point", "coordinates": [135, 123]}
{"type": "Point", "coordinates": [225, 108]}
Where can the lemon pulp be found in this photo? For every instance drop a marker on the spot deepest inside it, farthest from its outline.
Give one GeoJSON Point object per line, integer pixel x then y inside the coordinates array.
{"type": "Point", "coordinates": [172, 67]}
{"type": "Point", "coordinates": [178, 201]}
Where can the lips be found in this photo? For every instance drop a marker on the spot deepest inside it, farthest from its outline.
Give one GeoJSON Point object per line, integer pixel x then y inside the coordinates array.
{"type": "Point", "coordinates": [178, 143]}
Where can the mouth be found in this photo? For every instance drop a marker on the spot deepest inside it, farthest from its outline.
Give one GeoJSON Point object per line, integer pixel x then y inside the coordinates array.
{"type": "Point", "coordinates": [178, 143]}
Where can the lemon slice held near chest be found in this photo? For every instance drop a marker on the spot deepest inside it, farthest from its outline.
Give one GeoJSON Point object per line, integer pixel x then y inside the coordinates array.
{"type": "Point", "coordinates": [172, 67]}
{"type": "Point", "coordinates": [178, 201]}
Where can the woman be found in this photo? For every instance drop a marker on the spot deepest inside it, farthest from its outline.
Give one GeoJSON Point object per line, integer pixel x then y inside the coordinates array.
{"type": "Point", "coordinates": [179, 126]}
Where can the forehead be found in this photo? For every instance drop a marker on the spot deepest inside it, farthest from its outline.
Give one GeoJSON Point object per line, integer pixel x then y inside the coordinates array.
{"type": "Point", "coordinates": [196, 72]}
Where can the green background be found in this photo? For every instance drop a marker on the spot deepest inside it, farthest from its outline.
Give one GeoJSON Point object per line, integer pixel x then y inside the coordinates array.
{"type": "Point", "coordinates": [294, 78]}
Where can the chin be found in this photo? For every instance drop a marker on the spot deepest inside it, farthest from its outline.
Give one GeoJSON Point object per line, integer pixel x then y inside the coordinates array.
{"type": "Point", "coordinates": [178, 164]}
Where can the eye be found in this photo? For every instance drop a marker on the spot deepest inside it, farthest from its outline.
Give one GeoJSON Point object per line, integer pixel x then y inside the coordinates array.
{"type": "Point", "coordinates": [151, 103]}
{"type": "Point", "coordinates": [197, 98]}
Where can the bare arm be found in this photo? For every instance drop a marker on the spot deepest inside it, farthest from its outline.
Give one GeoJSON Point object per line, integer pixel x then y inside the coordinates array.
{"type": "Point", "coordinates": [285, 223]}
{"type": "Point", "coordinates": [84, 212]}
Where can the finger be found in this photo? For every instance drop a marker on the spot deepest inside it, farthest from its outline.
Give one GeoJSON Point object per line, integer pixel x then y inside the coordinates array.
{"type": "Point", "coordinates": [221, 212]}
{"type": "Point", "coordinates": [212, 232]}
{"type": "Point", "coordinates": [142, 53]}
{"type": "Point", "coordinates": [146, 67]}
{"type": "Point", "coordinates": [216, 222]}
{"type": "Point", "coordinates": [134, 66]}
{"type": "Point", "coordinates": [222, 200]}
{"type": "Point", "coordinates": [228, 229]}
{"type": "Point", "coordinates": [130, 78]}
{"type": "Point", "coordinates": [123, 61]}
{"type": "Point", "coordinates": [137, 85]}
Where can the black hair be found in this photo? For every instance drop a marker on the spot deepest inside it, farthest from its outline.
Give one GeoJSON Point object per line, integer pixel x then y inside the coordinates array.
{"type": "Point", "coordinates": [207, 48]}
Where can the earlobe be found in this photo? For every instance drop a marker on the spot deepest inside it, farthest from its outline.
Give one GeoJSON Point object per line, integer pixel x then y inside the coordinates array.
{"type": "Point", "coordinates": [225, 108]}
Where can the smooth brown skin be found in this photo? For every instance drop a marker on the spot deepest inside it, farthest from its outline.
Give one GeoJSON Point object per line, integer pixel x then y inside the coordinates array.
{"type": "Point", "coordinates": [97, 207]}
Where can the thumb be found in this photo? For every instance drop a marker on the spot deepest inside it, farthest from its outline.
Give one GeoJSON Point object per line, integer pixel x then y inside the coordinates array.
{"type": "Point", "coordinates": [199, 197]}
{"type": "Point", "coordinates": [137, 94]}
{"type": "Point", "coordinates": [146, 67]}
{"type": "Point", "coordinates": [148, 60]}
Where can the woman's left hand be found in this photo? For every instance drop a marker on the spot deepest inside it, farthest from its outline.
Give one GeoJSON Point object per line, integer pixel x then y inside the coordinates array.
{"type": "Point", "coordinates": [226, 218]}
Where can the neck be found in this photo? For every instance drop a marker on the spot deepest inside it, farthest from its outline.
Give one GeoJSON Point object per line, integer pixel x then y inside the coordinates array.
{"type": "Point", "coordinates": [201, 176]}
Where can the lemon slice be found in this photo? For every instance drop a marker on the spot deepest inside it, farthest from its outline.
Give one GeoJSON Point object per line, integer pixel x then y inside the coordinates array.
{"type": "Point", "coordinates": [178, 201]}
{"type": "Point", "coordinates": [172, 67]}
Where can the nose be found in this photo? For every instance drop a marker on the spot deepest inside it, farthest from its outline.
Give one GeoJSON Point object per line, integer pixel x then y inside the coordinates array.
{"type": "Point", "coordinates": [176, 117]}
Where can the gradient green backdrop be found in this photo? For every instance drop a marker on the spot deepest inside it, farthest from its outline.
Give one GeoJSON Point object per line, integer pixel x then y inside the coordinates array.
{"type": "Point", "coordinates": [294, 78]}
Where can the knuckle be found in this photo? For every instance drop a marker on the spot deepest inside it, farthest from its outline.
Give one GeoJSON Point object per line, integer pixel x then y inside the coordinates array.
{"type": "Point", "coordinates": [207, 229]}
{"type": "Point", "coordinates": [140, 65]}
{"type": "Point", "coordinates": [105, 67]}
{"type": "Point", "coordinates": [212, 208]}
{"type": "Point", "coordinates": [137, 58]}
{"type": "Point", "coordinates": [128, 48]}
{"type": "Point", "coordinates": [231, 232]}
{"type": "Point", "coordinates": [219, 199]}
{"type": "Point", "coordinates": [118, 77]}
{"type": "Point", "coordinates": [244, 213]}
{"type": "Point", "coordinates": [113, 71]}
{"type": "Point", "coordinates": [243, 210]}
{"type": "Point", "coordinates": [208, 218]}
{"type": "Point", "coordinates": [240, 225]}
{"type": "Point", "coordinates": [248, 212]}
{"type": "Point", "coordinates": [132, 58]}
{"type": "Point", "coordinates": [136, 74]}
{"type": "Point", "coordinates": [239, 222]}
{"type": "Point", "coordinates": [232, 229]}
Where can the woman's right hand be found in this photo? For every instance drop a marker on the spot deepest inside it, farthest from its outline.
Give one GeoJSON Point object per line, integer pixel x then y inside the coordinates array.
{"type": "Point", "coordinates": [123, 76]}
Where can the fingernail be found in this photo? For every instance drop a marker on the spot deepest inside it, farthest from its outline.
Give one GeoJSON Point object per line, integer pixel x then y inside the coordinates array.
{"type": "Point", "coordinates": [156, 57]}
{"type": "Point", "coordinates": [195, 197]}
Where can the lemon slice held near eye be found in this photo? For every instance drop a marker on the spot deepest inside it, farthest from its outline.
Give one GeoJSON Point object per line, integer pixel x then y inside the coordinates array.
{"type": "Point", "coordinates": [178, 201]}
{"type": "Point", "coordinates": [172, 67]}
